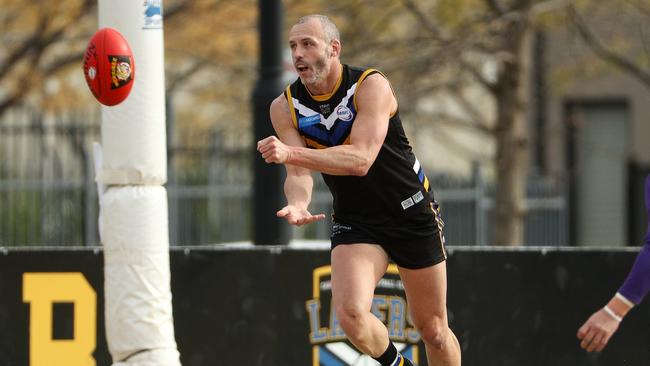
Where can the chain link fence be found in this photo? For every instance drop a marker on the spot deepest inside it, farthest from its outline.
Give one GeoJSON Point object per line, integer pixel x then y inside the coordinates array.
{"type": "Point", "coordinates": [48, 196]}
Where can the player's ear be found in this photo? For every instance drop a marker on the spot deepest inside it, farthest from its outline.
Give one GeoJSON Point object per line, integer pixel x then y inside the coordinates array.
{"type": "Point", "coordinates": [336, 47]}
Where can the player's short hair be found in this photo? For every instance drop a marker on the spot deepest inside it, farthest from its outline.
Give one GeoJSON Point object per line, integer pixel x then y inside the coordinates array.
{"type": "Point", "coordinates": [330, 30]}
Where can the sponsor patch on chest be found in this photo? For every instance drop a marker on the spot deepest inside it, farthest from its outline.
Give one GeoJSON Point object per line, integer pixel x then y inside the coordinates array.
{"type": "Point", "coordinates": [309, 120]}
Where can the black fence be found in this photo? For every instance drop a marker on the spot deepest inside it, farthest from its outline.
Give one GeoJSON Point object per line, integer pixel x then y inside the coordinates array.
{"type": "Point", "coordinates": [269, 306]}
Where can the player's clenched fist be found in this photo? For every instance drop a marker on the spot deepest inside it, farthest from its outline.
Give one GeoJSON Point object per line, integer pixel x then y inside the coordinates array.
{"type": "Point", "coordinates": [273, 150]}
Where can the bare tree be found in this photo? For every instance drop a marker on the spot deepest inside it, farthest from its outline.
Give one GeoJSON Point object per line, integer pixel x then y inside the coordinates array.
{"type": "Point", "coordinates": [501, 33]}
{"type": "Point", "coordinates": [636, 62]}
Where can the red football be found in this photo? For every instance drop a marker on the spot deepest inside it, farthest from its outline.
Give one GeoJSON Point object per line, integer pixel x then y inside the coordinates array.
{"type": "Point", "coordinates": [109, 66]}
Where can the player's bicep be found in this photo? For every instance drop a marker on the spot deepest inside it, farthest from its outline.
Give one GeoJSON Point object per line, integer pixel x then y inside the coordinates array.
{"type": "Point", "coordinates": [375, 102]}
{"type": "Point", "coordinates": [283, 123]}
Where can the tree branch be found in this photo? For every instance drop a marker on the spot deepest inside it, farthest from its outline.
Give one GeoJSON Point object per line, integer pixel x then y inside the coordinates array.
{"type": "Point", "coordinates": [641, 6]}
{"type": "Point", "coordinates": [474, 113]}
{"type": "Point", "coordinates": [609, 56]}
{"type": "Point", "coordinates": [11, 100]}
{"type": "Point", "coordinates": [476, 74]}
{"type": "Point", "coordinates": [451, 140]}
{"type": "Point", "coordinates": [173, 10]}
{"type": "Point", "coordinates": [28, 44]}
{"type": "Point", "coordinates": [62, 62]}
{"type": "Point", "coordinates": [495, 7]}
{"type": "Point", "coordinates": [455, 121]}
{"type": "Point", "coordinates": [184, 75]}
{"type": "Point", "coordinates": [424, 21]}
{"type": "Point", "coordinates": [548, 6]}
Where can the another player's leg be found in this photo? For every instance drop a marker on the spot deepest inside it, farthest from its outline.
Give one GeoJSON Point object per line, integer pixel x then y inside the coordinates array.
{"type": "Point", "coordinates": [426, 293]}
{"type": "Point", "coordinates": [356, 270]}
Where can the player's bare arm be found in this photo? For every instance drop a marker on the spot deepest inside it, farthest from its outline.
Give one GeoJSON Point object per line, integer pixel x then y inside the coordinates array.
{"type": "Point", "coordinates": [298, 184]}
{"type": "Point", "coordinates": [375, 103]}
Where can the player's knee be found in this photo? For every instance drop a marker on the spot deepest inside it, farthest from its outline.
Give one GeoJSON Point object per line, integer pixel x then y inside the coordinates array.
{"type": "Point", "coordinates": [350, 318]}
{"type": "Point", "coordinates": [434, 334]}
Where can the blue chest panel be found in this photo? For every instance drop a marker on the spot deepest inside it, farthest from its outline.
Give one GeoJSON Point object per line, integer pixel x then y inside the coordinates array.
{"type": "Point", "coordinates": [326, 120]}
{"type": "Point", "coordinates": [328, 131]}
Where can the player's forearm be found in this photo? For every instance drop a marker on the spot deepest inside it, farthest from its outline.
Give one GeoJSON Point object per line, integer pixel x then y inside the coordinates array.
{"type": "Point", "coordinates": [337, 160]}
{"type": "Point", "coordinates": [298, 189]}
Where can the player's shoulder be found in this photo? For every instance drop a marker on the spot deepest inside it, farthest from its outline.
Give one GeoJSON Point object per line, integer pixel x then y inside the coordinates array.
{"type": "Point", "coordinates": [363, 74]}
{"type": "Point", "coordinates": [362, 71]}
{"type": "Point", "coordinates": [280, 101]}
{"type": "Point", "coordinates": [279, 109]}
{"type": "Point", "coordinates": [373, 83]}
{"type": "Point", "coordinates": [374, 89]}
{"type": "Point", "coordinates": [377, 77]}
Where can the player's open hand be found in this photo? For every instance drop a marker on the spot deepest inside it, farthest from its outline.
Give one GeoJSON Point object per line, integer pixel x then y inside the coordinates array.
{"type": "Point", "coordinates": [298, 216]}
{"type": "Point", "coordinates": [596, 331]}
{"type": "Point", "coordinates": [273, 150]}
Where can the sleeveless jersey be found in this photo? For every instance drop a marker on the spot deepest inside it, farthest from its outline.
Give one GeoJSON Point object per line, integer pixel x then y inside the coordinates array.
{"type": "Point", "coordinates": [395, 190]}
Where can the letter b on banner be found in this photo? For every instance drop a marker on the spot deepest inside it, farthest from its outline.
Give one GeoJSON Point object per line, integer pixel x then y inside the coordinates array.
{"type": "Point", "coordinates": [42, 291]}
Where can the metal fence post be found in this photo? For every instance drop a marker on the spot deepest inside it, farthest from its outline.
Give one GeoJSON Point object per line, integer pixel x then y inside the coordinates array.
{"type": "Point", "coordinates": [480, 229]}
{"type": "Point", "coordinates": [90, 199]}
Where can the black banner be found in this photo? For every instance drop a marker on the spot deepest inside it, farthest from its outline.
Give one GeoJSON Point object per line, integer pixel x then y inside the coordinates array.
{"type": "Point", "coordinates": [269, 306]}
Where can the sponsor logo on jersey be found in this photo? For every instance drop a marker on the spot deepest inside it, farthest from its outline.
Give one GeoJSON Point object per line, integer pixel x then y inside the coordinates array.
{"type": "Point", "coordinates": [344, 113]}
{"type": "Point", "coordinates": [325, 108]}
{"type": "Point", "coordinates": [329, 344]}
{"type": "Point", "coordinates": [411, 201]}
{"type": "Point", "coordinates": [309, 120]}
{"type": "Point", "coordinates": [418, 197]}
{"type": "Point", "coordinates": [338, 228]}
{"type": "Point", "coordinates": [407, 203]}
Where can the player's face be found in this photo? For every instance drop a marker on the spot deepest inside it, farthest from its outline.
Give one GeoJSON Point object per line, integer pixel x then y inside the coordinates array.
{"type": "Point", "coordinates": [310, 53]}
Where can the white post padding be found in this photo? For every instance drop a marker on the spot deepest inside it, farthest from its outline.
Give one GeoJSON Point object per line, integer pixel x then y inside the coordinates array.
{"type": "Point", "coordinates": [138, 312]}
{"type": "Point", "coordinates": [133, 132]}
{"type": "Point", "coordinates": [133, 209]}
{"type": "Point", "coordinates": [148, 358]}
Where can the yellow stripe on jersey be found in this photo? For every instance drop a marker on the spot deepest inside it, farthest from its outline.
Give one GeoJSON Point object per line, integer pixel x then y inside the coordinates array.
{"type": "Point", "coordinates": [292, 110]}
{"type": "Point", "coordinates": [426, 183]}
{"type": "Point", "coordinates": [324, 97]}
{"type": "Point", "coordinates": [314, 144]}
{"type": "Point", "coordinates": [362, 77]}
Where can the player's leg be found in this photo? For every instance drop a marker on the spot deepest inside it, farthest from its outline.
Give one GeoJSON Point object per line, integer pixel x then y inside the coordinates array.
{"type": "Point", "coordinates": [356, 270]}
{"type": "Point", "coordinates": [426, 293]}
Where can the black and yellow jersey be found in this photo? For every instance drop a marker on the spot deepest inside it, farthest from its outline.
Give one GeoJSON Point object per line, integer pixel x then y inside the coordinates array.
{"type": "Point", "coordinates": [395, 187]}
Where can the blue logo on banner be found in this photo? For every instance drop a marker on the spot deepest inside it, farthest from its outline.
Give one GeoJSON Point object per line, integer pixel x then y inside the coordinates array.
{"type": "Point", "coordinates": [152, 14]}
{"type": "Point", "coordinates": [328, 340]}
{"type": "Point", "coordinates": [309, 121]}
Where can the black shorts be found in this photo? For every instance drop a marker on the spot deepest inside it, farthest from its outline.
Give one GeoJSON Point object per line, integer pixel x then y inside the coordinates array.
{"type": "Point", "coordinates": [412, 247]}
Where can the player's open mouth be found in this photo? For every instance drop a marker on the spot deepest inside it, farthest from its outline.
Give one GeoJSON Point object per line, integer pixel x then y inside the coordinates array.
{"type": "Point", "coordinates": [302, 68]}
